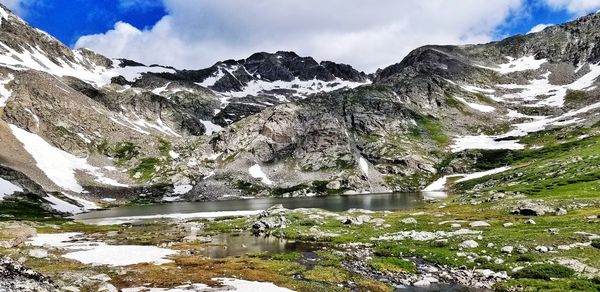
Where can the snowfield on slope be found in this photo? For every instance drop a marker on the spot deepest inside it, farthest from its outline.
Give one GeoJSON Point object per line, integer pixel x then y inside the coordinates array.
{"type": "Point", "coordinates": [257, 172]}
{"type": "Point", "coordinates": [58, 165]}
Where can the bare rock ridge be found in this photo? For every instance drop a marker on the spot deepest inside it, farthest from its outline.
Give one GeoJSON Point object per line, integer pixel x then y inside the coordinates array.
{"type": "Point", "coordinates": [78, 124]}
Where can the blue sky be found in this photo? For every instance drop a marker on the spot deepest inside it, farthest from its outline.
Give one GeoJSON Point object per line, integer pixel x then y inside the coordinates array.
{"type": "Point", "coordinates": [196, 33]}
{"type": "Point", "coordinates": [68, 20]}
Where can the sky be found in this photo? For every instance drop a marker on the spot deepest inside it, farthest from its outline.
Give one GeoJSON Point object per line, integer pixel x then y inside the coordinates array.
{"type": "Point", "coordinates": [194, 34]}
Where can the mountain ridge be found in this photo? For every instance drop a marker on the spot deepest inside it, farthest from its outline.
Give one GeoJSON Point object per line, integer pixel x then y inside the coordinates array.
{"type": "Point", "coordinates": [308, 127]}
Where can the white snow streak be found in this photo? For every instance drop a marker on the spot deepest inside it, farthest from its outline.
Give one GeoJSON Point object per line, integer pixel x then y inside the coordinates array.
{"type": "Point", "coordinates": [364, 166]}
{"type": "Point", "coordinates": [256, 172]}
{"type": "Point", "coordinates": [5, 93]}
{"type": "Point", "coordinates": [440, 184]}
{"type": "Point", "coordinates": [58, 165]}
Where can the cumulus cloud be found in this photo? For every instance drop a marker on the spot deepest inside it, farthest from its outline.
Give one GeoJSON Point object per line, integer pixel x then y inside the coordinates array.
{"type": "Point", "coordinates": [539, 27]}
{"type": "Point", "coordinates": [576, 7]}
{"type": "Point", "coordinates": [367, 35]}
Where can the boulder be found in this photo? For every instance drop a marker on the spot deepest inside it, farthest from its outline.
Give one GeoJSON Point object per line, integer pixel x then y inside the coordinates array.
{"type": "Point", "coordinates": [528, 208]}
{"type": "Point", "coordinates": [38, 253]}
{"type": "Point", "coordinates": [408, 220]}
{"type": "Point", "coordinates": [469, 244]}
{"type": "Point", "coordinates": [479, 224]}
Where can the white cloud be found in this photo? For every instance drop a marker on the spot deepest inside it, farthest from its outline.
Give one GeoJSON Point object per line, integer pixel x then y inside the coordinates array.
{"type": "Point", "coordinates": [367, 35]}
{"type": "Point", "coordinates": [539, 27]}
{"type": "Point", "coordinates": [20, 7]}
{"type": "Point", "coordinates": [576, 7]}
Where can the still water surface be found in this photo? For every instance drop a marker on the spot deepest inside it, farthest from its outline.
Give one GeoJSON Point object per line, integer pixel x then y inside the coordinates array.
{"type": "Point", "coordinates": [373, 202]}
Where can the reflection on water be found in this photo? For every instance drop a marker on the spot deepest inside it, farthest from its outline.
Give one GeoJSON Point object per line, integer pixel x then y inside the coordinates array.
{"type": "Point", "coordinates": [374, 202]}
{"type": "Point", "coordinates": [235, 245]}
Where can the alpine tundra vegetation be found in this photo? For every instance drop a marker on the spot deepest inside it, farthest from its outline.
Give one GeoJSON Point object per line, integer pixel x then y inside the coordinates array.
{"type": "Point", "coordinates": [460, 168]}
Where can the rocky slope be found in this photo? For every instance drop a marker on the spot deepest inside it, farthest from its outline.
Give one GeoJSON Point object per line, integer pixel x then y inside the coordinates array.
{"type": "Point", "coordinates": [77, 123]}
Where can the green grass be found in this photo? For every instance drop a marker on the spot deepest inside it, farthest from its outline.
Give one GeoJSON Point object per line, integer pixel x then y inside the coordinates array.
{"type": "Point", "coordinates": [433, 129]}
{"type": "Point", "coordinates": [393, 265]}
{"type": "Point", "coordinates": [146, 167]}
{"type": "Point", "coordinates": [574, 96]}
{"type": "Point", "coordinates": [544, 272]}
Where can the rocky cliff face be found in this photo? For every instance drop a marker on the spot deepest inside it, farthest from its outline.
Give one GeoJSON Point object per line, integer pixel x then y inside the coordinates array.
{"type": "Point", "coordinates": [278, 123]}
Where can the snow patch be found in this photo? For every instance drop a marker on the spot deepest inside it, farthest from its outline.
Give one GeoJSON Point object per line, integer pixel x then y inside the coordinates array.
{"type": "Point", "coordinates": [476, 106]}
{"type": "Point", "coordinates": [7, 188]}
{"type": "Point", "coordinates": [440, 184]}
{"type": "Point", "coordinates": [175, 216]}
{"type": "Point", "coordinates": [364, 166]}
{"type": "Point", "coordinates": [58, 165]}
{"type": "Point", "coordinates": [63, 206]}
{"type": "Point", "coordinates": [552, 95]}
{"type": "Point", "coordinates": [5, 94]}
{"type": "Point", "coordinates": [182, 189]}
{"type": "Point", "coordinates": [99, 253]}
{"type": "Point", "coordinates": [131, 73]}
{"type": "Point", "coordinates": [516, 65]}
{"type": "Point", "coordinates": [256, 172]}
{"type": "Point", "coordinates": [211, 127]}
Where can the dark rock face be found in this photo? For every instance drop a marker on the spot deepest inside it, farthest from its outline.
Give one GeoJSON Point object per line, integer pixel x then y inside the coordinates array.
{"type": "Point", "coordinates": [247, 83]}
{"type": "Point", "coordinates": [14, 277]}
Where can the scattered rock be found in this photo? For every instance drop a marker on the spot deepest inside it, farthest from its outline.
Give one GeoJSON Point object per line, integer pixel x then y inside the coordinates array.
{"type": "Point", "coordinates": [469, 244]}
{"type": "Point", "coordinates": [271, 218]}
{"type": "Point", "coordinates": [106, 287]}
{"type": "Point", "coordinates": [422, 283]}
{"type": "Point", "coordinates": [560, 212]}
{"type": "Point", "coordinates": [530, 221]}
{"type": "Point", "coordinates": [440, 242]}
{"type": "Point", "coordinates": [541, 249]}
{"type": "Point", "coordinates": [507, 249]}
{"type": "Point", "coordinates": [507, 224]}
{"type": "Point", "coordinates": [479, 224]}
{"type": "Point", "coordinates": [16, 277]}
{"type": "Point", "coordinates": [528, 208]}
{"type": "Point", "coordinates": [38, 253]}
{"type": "Point", "coordinates": [521, 249]}
{"type": "Point", "coordinates": [409, 220]}
{"type": "Point", "coordinates": [101, 278]}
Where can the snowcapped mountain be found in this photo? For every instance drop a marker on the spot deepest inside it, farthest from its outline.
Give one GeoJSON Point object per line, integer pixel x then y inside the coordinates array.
{"type": "Point", "coordinates": [75, 123]}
